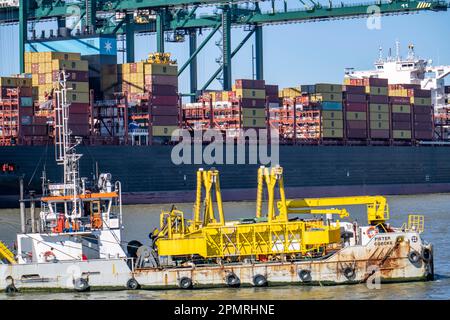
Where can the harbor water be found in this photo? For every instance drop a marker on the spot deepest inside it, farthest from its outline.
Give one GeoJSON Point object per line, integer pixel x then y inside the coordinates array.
{"type": "Point", "coordinates": [139, 221]}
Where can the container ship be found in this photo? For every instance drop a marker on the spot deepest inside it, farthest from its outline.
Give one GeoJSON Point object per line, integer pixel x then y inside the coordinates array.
{"type": "Point", "coordinates": [380, 132]}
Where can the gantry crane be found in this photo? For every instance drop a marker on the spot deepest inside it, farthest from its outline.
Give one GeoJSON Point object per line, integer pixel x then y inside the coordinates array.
{"type": "Point", "coordinates": [179, 16]}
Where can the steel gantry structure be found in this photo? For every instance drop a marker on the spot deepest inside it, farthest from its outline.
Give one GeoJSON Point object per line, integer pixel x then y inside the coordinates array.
{"type": "Point", "coordinates": [179, 18]}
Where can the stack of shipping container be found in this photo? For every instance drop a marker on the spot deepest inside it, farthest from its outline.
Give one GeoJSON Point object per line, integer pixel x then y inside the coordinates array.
{"type": "Point", "coordinates": [154, 86]}
{"type": "Point", "coordinates": [45, 68]}
{"type": "Point", "coordinates": [355, 106]}
{"type": "Point", "coordinates": [252, 96]}
{"type": "Point", "coordinates": [329, 98]}
{"type": "Point", "coordinates": [379, 112]}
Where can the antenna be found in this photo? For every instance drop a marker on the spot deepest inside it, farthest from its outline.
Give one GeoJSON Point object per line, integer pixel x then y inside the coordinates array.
{"type": "Point", "coordinates": [380, 53]}
{"type": "Point", "coordinates": [397, 50]}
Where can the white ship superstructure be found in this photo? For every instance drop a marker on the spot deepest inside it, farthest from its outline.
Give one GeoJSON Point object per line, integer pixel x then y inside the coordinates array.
{"type": "Point", "coordinates": [409, 70]}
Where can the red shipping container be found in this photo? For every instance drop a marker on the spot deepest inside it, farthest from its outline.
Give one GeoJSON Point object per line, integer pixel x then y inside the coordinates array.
{"type": "Point", "coordinates": [26, 92]}
{"type": "Point", "coordinates": [161, 80]}
{"type": "Point", "coordinates": [25, 111]}
{"type": "Point", "coordinates": [401, 125]}
{"type": "Point", "coordinates": [422, 110]}
{"type": "Point", "coordinates": [253, 103]}
{"type": "Point", "coordinates": [376, 82]}
{"type": "Point", "coordinates": [79, 129]}
{"type": "Point", "coordinates": [273, 99]}
{"type": "Point", "coordinates": [401, 117]}
{"type": "Point", "coordinates": [379, 134]}
{"type": "Point", "coordinates": [424, 135]}
{"type": "Point", "coordinates": [41, 78]}
{"type": "Point", "coordinates": [423, 126]}
{"type": "Point", "coordinates": [164, 100]}
{"type": "Point", "coordinates": [250, 84]}
{"type": "Point", "coordinates": [165, 110]}
{"type": "Point", "coordinates": [162, 90]}
{"type": "Point", "coordinates": [356, 124]}
{"type": "Point", "coordinates": [423, 118]}
{"type": "Point", "coordinates": [355, 98]}
{"type": "Point", "coordinates": [399, 100]}
{"type": "Point", "coordinates": [78, 118]}
{"type": "Point", "coordinates": [419, 93]}
{"type": "Point", "coordinates": [272, 90]}
{"type": "Point", "coordinates": [79, 108]}
{"type": "Point", "coordinates": [165, 120]}
{"type": "Point", "coordinates": [356, 133]}
{"type": "Point", "coordinates": [35, 68]}
{"type": "Point", "coordinates": [355, 107]}
{"type": "Point", "coordinates": [354, 89]}
{"type": "Point", "coordinates": [378, 99]}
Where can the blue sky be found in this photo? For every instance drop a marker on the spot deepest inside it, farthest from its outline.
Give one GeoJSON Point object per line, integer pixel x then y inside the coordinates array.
{"type": "Point", "coordinates": [296, 54]}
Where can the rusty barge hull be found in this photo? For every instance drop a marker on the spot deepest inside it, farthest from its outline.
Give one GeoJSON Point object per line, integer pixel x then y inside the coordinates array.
{"type": "Point", "coordinates": [385, 259]}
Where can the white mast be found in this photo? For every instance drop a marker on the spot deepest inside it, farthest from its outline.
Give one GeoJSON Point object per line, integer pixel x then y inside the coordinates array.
{"type": "Point", "coordinates": [65, 149]}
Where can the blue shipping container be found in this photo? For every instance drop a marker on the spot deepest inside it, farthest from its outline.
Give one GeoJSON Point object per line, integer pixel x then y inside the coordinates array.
{"type": "Point", "coordinates": [26, 101]}
{"type": "Point", "coordinates": [329, 105]}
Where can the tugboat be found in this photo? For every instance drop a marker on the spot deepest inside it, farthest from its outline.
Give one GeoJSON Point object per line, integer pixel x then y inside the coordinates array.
{"type": "Point", "coordinates": [76, 243]}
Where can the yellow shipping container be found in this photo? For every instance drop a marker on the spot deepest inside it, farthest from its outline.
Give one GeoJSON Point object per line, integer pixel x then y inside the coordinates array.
{"type": "Point", "coordinates": [328, 114]}
{"type": "Point", "coordinates": [401, 134]}
{"type": "Point", "coordinates": [398, 93]}
{"type": "Point", "coordinates": [15, 82]}
{"type": "Point", "coordinates": [401, 108]}
{"type": "Point", "coordinates": [251, 112]}
{"type": "Point", "coordinates": [290, 93]}
{"type": "Point", "coordinates": [160, 69]}
{"type": "Point", "coordinates": [73, 65]}
{"type": "Point", "coordinates": [333, 133]}
{"type": "Point", "coordinates": [251, 93]}
{"type": "Point", "coordinates": [163, 131]}
{"type": "Point", "coordinates": [379, 116]}
{"type": "Point", "coordinates": [48, 78]}
{"type": "Point", "coordinates": [356, 115]}
{"type": "Point", "coordinates": [49, 56]}
{"type": "Point", "coordinates": [27, 58]}
{"type": "Point", "coordinates": [383, 125]}
{"type": "Point", "coordinates": [378, 107]}
{"type": "Point", "coordinates": [34, 57]}
{"type": "Point", "coordinates": [335, 124]}
{"type": "Point", "coordinates": [254, 122]}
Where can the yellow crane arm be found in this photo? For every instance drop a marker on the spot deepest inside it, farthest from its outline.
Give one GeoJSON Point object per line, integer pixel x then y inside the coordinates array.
{"type": "Point", "coordinates": [377, 207]}
{"type": "Point", "coordinates": [6, 253]}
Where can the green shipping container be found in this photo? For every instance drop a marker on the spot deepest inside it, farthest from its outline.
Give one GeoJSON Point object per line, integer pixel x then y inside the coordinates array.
{"type": "Point", "coordinates": [163, 131]}
{"type": "Point", "coordinates": [255, 113]}
{"type": "Point", "coordinates": [337, 124]}
{"type": "Point", "coordinates": [421, 101]}
{"type": "Point", "coordinates": [356, 115]}
{"type": "Point", "coordinates": [377, 91]}
{"type": "Point", "coordinates": [254, 122]}
{"type": "Point", "coordinates": [333, 133]}
{"type": "Point", "coordinates": [401, 108]}
{"type": "Point", "coordinates": [383, 125]}
{"type": "Point", "coordinates": [401, 134]}
{"type": "Point", "coordinates": [378, 107]}
{"type": "Point", "coordinates": [328, 87]}
{"type": "Point", "coordinates": [329, 115]}
{"type": "Point", "coordinates": [379, 116]}
{"type": "Point", "coordinates": [160, 69]}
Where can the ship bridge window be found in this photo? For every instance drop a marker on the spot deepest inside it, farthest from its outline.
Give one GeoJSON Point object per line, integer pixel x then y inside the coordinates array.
{"type": "Point", "coordinates": [379, 67]}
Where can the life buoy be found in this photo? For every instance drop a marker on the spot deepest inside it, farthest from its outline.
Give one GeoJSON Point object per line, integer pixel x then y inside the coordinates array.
{"type": "Point", "coordinates": [49, 256]}
{"type": "Point", "coordinates": [305, 275]}
{"type": "Point", "coordinates": [232, 280]}
{"type": "Point", "coordinates": [371, 232]}
{"type": "Point", "coordinates": [260, 281]}
{"type": "Point", "coordinates": [185, 283]}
